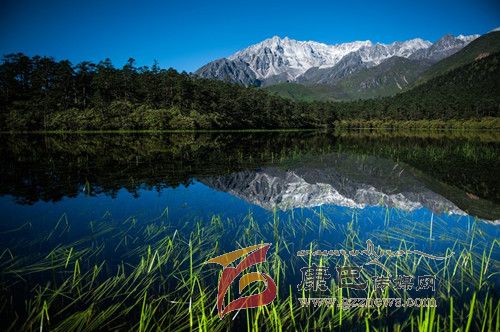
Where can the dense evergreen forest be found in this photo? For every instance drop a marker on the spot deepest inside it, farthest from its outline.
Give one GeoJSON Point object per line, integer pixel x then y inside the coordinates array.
{"type": "Point", "coordinates": [39, 93]}
{"type": "Point", "coordinates": [471, 91]}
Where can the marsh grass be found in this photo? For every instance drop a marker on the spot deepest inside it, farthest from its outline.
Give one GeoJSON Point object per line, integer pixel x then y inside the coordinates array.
{"type": "Point", "coordinates": [151, 275]}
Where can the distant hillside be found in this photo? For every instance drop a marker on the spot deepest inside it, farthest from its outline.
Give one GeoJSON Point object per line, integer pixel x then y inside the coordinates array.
{"type": "Point", "coordinates": [301, 92]}
{"type": "Point", "coordinates": [469, 91]}
{"type": "Point", "coordinates": [390, 77]}
{"type": "Point", "coordinates": [480, 47]}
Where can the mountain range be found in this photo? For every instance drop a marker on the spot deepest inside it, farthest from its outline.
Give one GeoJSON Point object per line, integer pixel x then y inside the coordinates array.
{"type": "Point", "coordinates": [354, 70]}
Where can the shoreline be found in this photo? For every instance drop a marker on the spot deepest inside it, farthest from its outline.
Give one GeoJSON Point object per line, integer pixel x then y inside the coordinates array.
{"type": "Point", "coordinates": [340, 126]}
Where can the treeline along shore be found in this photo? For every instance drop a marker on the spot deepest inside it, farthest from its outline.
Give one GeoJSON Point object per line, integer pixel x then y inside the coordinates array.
{"type": "Point", "coordinates": [41, 94]}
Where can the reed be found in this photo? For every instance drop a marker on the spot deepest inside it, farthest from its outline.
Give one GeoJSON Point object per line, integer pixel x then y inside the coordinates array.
{"type": "Point", "coordinates": [157, 278]}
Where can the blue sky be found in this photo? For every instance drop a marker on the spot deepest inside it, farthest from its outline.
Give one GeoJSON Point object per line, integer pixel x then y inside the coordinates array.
{"type": "Point", "coordinates": [187, 34]}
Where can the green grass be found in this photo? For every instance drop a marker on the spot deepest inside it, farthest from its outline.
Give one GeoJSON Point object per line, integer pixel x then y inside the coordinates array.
{"type": "Point", "coordinates": [490, 123]}
{"type": "Point", "coordinates": [160, 281]}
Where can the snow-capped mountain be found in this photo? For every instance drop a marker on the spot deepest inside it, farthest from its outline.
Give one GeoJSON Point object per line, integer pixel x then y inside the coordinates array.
{"type": "Point", "coordinates": [275, 56]}
{"type": "Point", "coordinates": [348, 65]}
{"type": "Point", "coordinates": [278, 59]}
{"type": "Point", "coordinates": [235, 71]}
{"type": "Point", "coordinates": [443, 48]}
{"type": "Point", "coordinates": [376, 53]}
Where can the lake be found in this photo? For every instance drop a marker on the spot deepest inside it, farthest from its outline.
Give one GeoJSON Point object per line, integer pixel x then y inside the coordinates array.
{"type": "Point", "coordinates": [113, 231]}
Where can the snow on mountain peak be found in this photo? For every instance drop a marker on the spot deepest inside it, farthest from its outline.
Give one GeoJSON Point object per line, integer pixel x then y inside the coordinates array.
{"type": "Point", "coordinates": [278, 59]}
{"type": "Point", "coordinates": [415, 43]}
{"type": "Point", "coordinates": [467, 39]}
{"type": "Point", "coordinates": [292, 58]}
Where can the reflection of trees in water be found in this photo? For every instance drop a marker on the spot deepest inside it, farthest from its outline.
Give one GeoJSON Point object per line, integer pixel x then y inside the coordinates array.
{"type": "Point", "coordinates": [50, 167]}
{"type": "Point", "coordinates": [468, 164]}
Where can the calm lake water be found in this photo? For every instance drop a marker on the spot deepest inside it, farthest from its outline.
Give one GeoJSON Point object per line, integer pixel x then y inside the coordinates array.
{"type": "Point", "coordinates": [307, 189]}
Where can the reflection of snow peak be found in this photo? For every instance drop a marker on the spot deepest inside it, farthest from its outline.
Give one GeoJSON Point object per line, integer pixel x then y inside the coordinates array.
{"type": "Point", "coordinates": [292, 191]}
{"type": "Point", "coordinates": [345, 181]}
{"type": "Point", "coordinates": [296, 192]}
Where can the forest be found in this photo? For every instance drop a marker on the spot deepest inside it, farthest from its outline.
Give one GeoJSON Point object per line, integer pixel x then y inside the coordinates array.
{"type": "Point", "coordinates": [41, 94]}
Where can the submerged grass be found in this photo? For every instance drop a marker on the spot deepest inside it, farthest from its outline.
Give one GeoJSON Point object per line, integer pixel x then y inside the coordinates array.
{"type": "Point", "coordinates": [145, 276]}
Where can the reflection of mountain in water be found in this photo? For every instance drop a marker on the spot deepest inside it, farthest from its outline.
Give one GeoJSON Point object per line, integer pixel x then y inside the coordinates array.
{"type": "Point", "coordinates": [337, 179]}
{"type": "Point", "coordinates": [462, 169]}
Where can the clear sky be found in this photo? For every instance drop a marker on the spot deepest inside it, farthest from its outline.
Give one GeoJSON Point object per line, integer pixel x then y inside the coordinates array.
{"type": "Point", "coordinates": [186, 34]}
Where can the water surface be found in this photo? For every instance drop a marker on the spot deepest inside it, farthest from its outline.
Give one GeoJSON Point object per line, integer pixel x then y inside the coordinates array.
{"type": "Point", "coordinates": [307, 189]}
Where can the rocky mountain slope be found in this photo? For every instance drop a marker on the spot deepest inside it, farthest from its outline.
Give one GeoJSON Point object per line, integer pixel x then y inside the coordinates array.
{"type": "Point", "coordinates": [396, 74]}
{"type": "Point", "coordinates": [277, 60]}
{"type": "Point", "coordinates": [479, 48]}
{"type": "Point", "coordinates": [390, 77]}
